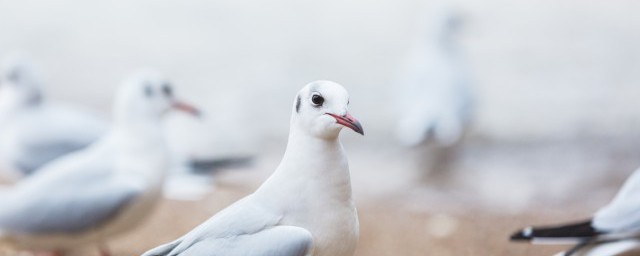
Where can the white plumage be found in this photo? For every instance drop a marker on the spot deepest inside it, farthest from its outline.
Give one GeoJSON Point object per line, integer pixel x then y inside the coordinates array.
{"type": "Point", "coordinates": [623, 213]}
{"type": "Point", "coordinates": [305, 207]}
{"type": "Point", "coordinates": [88, 196]}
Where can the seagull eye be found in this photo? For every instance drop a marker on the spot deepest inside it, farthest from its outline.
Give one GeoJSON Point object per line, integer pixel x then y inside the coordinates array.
{"type": "Point", "coordinates": [317, 100]}
{"type": "Point", "coordinates": [167, 90]}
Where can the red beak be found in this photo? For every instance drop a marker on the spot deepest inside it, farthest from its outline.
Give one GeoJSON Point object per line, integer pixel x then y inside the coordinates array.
{"type": "Point", "coordinates": [178, 105]}
{"type": "Point", "coordinates": [348, 121]}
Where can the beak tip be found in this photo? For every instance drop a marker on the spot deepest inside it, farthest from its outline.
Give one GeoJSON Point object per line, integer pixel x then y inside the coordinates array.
{"type": "Point", "coordinates": [349, 122]}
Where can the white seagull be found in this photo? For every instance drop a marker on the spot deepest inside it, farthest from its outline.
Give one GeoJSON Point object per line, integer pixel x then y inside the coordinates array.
{"type": "Point", "coordinates": [33, 130]}
{"type": "Point", "coordinates": [616, 222]}
{"type": "Point", "coordinates": [88, 196]}
{"type": "Point", "coordinates": [305, 207]}
{"type": "Point", "coordinates": [433, 87]}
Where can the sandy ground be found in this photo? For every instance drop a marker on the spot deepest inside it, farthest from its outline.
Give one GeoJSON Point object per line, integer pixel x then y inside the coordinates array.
{"type": "Point", "coordinates": [444, 216]}
{"type": "Point", "coordinates": [384, 231]}
{"type": "Point", "coordinates": [447, 215]}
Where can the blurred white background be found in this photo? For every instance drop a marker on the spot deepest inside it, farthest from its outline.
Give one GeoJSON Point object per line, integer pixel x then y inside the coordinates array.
{"type": "Point", "coordinates": [556, 83]}
{"type": "Point", "coordinates": [542, 69]}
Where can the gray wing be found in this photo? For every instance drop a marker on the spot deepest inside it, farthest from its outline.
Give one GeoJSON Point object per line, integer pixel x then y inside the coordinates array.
{"type": "Point", "coordinates": [52, 131]}
{"type": "Point", "coordinates": [37, 155]}
{"type": "Point", "coordinates": [274, 241]}
{"type": "Point", "coordinates": [66, 209]}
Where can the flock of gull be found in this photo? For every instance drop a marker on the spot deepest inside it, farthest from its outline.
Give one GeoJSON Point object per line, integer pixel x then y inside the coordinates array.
{"type": "Point", "coordinates": [80, 180]}
{"type": "Point", "coordinates": [99, 180]}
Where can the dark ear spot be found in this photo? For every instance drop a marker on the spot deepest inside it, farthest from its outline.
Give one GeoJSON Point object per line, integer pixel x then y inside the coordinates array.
{"type": "Point", "coordinates": [298, 104]}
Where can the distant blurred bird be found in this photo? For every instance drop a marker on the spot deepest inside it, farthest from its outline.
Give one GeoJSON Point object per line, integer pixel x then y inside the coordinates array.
{"type": "Point", "coordinates": [435, 97]}
{"type": "Point", "coordinates": [33, 130]}
{"type": "Point", "coordinates": [89, 196]}
{"type": "Point", "coordinates": [618, 221]}
{"type": "Point", "coordinates": [305, 207]}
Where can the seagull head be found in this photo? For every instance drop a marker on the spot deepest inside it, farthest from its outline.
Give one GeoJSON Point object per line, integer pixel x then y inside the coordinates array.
{"type": "Point", "coordinates": [20, 82]}
{"type": "Point", "coordinates": [321, 108]}
{"type": "Point", "coordinates": [148, 95]}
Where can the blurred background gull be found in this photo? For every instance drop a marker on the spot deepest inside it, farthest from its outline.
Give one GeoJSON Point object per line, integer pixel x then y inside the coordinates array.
{"type": "Point", "coordinates": [434, 97]}
{"type": "Point", "coordinates": [556, 119]}
{"type": "Point", "coordinates": [36, 130]}
{"type": "Point", "coordinates": [88, 196]}
{"type": "Point", "coordinates": [33, 129]}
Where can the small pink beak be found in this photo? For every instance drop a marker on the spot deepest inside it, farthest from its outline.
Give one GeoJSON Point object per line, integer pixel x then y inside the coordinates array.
{"type": "Point", "coordinates": [178, 105]}
{"type": "Point", "coordinates": [348, 121]}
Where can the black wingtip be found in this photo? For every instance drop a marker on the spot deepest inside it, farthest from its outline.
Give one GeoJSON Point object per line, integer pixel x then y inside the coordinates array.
{"type": "Point", "coordinates": [579, 230]}
{"type": "Point", "coordinates": [214, 165]}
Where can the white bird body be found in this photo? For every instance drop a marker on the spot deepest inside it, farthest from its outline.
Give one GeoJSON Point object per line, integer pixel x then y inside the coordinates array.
{"type": "Point", "coordinates": [143, 180]}
{"type": "Point", "coordinates": [106, 189]}
{"type": "Point", "coordinates": [304, 208]}
{"type": "Point", "coordinates": [322, 192]}
{"type": "Point", "coordinates": [623, 213]}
